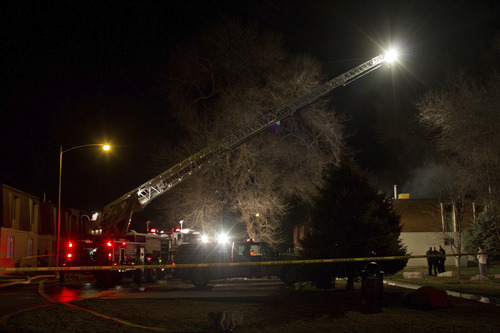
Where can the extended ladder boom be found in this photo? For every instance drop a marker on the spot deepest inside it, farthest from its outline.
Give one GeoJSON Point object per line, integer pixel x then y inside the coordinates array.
{"type": "Point", "coordinates": [176, 174]}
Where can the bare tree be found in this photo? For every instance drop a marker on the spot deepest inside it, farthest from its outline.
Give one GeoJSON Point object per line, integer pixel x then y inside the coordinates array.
{"type": "Point", "coordinates": [464, 119]}
{"type": "Point", "coordinates": [224, 80]}
{"type": "Point", "coordinates": [453, 194]}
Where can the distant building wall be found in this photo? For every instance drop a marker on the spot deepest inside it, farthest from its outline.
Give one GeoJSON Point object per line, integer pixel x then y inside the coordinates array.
{"type": "Point", "coordinates": [419, 242]}
{"type": "Point", "coordinates": [46, 249]}
{"type": "Point", "coordinates": [47, 234]}
{"type": "Point", "coordinates": [48, 219]}
{"type": "Point", "coordinates": [299, 233]}
{"type": "Point", "coordinates": [18, 228]}
{"type": "Point", "coordinates": [430, 223]}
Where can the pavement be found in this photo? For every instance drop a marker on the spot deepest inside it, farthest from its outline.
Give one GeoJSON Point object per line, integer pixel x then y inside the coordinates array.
{"type": "Point", "coordinates": [7, 280]}
{"type": "Point", "coordinates": [12, 280]}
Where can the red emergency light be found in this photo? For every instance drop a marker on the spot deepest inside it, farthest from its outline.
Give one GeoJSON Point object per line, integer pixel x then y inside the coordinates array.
{"type": "Point", "coordinates": [109, 244]}
{"type": "Point", "coordinates": [70, 244]}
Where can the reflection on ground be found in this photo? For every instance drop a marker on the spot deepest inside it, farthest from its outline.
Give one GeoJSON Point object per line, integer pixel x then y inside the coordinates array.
{"type": "Point", "coordinates": [78, 290]}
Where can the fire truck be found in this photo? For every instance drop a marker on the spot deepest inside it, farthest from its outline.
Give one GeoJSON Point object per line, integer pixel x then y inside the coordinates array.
{"type": "Point", "coordinates": [239, 253]}
{"type": "Point", "coordinates": [126, 251]}
{"type": "Point", "coordinates": [116, 246]}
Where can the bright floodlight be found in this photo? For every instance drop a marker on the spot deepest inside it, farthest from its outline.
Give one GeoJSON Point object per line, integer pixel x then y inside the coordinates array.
{"type": "Point", "coordinates": [222, 238]}
{"type": "Point", "coordinates": [204, 238]}
{"type": "Point", "coordinates": [391, 55]}
{"type": "Point", "coordinates": [106, 147]}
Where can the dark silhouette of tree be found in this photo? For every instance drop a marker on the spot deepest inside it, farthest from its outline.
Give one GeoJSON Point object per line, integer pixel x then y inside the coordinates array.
{"type": "Point", "coordinates": [225, 79]}
{"type": "Point", "coordinates": [350, 219]}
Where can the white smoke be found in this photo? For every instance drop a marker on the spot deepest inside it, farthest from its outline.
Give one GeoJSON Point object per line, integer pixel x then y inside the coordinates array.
{"type": "Point", "coordinates": [424, 182]}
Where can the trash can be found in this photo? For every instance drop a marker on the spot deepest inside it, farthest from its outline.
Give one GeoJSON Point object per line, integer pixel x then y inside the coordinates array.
{"type": "Point", "coordinates": [372, 287]}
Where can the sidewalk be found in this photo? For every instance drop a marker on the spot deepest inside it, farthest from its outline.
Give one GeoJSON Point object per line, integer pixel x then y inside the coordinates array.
{"type": "Point", "coordinates": [479, 298]}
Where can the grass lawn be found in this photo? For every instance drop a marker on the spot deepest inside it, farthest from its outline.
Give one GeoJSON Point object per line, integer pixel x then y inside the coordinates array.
{"type": "Point", "coordinates": [490, 287]}
{"type": "Point", "coordinates": [312, 310]}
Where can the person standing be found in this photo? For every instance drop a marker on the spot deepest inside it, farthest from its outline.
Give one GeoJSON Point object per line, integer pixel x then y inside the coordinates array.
{"type": "Point", "coordinates": [430, 260]}
{"type": "Point", "coordinates": [483, 262]}
{"type": "Point", "coordinates": [435, 260]}
{"type": "Point", "coordinates": [441, 259]}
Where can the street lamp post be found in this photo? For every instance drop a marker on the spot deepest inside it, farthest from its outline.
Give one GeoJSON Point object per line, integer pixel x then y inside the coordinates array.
{"type": "Point", "coordinates": [61, 151]}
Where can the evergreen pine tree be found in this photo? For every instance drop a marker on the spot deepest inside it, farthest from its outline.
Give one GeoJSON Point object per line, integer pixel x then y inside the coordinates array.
{"type": "Point", "coordinates": [351, 220]}
{"type": "Point", "coordinates": [483, 231]}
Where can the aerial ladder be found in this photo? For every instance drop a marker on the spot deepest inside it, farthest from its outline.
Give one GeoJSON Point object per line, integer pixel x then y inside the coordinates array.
{"type": "Point", "coordinates": [116, 216]}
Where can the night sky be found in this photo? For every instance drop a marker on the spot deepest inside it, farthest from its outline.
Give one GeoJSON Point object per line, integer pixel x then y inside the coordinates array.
{"type": "Point", "coordinates": [80, 72]}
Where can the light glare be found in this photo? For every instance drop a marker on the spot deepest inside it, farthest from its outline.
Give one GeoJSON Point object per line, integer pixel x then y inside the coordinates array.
{"type": "Point", "coordinates": [391, 55]}
{"type": "Point", "coordinates": [106, 147]}
{"type": "Point", "coordinates": [222, 238]}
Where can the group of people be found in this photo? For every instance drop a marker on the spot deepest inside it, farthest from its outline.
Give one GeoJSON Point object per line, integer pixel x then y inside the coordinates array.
{"type": "Point", "coordinates": [435, 260]}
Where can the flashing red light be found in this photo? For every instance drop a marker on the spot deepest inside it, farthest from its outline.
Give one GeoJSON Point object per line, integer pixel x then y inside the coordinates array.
{"type": "Point", "coordinates": [109, 256]}
{"type": "Point", "coordinates": [70, 244]}
{"type": "Point", "coordinates": [109, 244]}
{"type": "Point", "coordinates": [153, 231]}
{"type": "Point", "coordinates": [69, 255]}
{"type": "Point", "coordinates": [149, 258]}
{"type": "Point", "coordinates": [124, 243]}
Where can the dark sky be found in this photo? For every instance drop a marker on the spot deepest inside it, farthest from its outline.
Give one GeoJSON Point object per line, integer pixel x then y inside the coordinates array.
{"type": "Point", "coordinates": [80, 72]}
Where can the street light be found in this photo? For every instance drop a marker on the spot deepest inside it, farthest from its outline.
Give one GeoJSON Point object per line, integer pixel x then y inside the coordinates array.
{"type": "Point", "coordinates": [61, 151]}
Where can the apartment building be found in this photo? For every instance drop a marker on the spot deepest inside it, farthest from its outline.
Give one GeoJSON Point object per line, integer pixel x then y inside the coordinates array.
{"type": "Point", "coordinates": [28, 228]}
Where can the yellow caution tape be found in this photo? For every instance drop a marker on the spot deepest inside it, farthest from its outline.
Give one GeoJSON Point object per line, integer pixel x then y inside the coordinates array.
{"type": "Point", "coordinates": [226, 264]}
